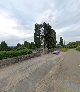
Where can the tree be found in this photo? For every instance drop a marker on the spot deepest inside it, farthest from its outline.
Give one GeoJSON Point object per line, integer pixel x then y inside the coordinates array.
{"type": "Point", "coordinates": [64, 42]}
{"type": "Point", "coordinates": [37, 35]}
{"type": "Point", "coordinates": [73, 44]}
{"type": "Point", "coordinates": [18, 45]}
{"type": "Point", "coordinates": [26, 44]}
{"type": "Point", "coordinates": [3, 46]}
{"type": "Point", "coordinates": [44, 35]}
{"type": "Point", "coordinates": [49, 36]}
{"type": "Point", "coordinates": [61, 41]}
{"type": "Point", "coordinates": [32, 45]}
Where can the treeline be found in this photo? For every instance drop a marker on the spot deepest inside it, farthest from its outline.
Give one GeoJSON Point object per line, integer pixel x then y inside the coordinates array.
{"type": "Point", "coordinates": [44, 37]}
{"type": "Point", "coordinates": [14, 51]}
{"type": "Point", "coordinates": [5, 47]}
{"type": "Point", "coordinates": [73, 44]}
{"type": "Point", "coordinates": [70, 45]}
{"type": "Point", "coordinates": [27, 45]}
{"type": "Point", "coordinates": [64, 47]}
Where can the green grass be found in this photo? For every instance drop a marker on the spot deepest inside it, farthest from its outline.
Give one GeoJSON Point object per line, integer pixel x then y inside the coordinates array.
{"type": "Point", "coordinates": [64, 49]}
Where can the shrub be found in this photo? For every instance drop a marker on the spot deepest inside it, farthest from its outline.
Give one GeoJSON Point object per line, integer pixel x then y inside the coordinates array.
{"type": "Point", "coordinates": [78, 48]}
{"type": "Point", "coordinates": [64, 49]}
{"type": "Point", "coordinates": [10, 54]}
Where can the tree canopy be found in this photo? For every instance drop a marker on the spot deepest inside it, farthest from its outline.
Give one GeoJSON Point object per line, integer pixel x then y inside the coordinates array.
{"type": "Point", "coordinates": [3, 46]}
{"type": "Point", "coordinates": [61, 41]}
{"type": "Point", "coordinates": [44, 36]}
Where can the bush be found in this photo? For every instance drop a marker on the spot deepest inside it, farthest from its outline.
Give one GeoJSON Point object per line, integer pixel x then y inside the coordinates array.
{"type": "Point", "coordinates": [64, 49]}
{"type": "Point", "coordinates": [20, 48]}
{"type": "Point", "coordinates": [10, 54]}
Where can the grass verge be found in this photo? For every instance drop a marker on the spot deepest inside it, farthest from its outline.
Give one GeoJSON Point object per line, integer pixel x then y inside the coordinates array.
{"type": "Point", "coordinates": [64, 49]}
{"type": "Point", "coordinates": [78, 48]}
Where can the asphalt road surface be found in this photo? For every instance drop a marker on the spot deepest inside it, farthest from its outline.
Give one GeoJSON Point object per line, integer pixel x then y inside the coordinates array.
{"type": "Point", "coordinates": [47, 73]}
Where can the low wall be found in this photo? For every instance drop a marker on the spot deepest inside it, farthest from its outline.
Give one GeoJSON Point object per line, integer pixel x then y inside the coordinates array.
{"type": "Point", "coordinates": [10, 61]}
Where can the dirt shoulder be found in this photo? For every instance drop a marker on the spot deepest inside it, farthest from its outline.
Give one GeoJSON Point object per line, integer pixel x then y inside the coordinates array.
{"type": "Point", "coordinates": [28, 73]}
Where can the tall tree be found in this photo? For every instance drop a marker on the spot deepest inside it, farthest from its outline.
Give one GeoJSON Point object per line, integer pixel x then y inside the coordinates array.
{"type": "Point", "coordinates": [45, 35]}
{"type": "Point", "coordinates": [49, 36]}
{"type": "Point", "coordinates": [32, 45]}
{"type": "Point", "coordinates": [18, 45]}
{"type": "Point", "coordinates": [26, 44]}
{"type": "Point", "coordinates": [37, 35]}
{"type": "Point", "coordinates": [61, 41]}
{"type": "Point", "coordinates": [3, 46]}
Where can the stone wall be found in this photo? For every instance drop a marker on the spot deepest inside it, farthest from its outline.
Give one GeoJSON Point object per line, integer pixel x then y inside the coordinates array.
{"type": "Point", "coordinates": [10, 61]}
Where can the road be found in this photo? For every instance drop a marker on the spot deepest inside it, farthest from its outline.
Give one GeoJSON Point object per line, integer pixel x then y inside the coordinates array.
{"type": "Point", "coordinates": [68, 79]}
{"type": "Point", "coordinates": [47, 73]}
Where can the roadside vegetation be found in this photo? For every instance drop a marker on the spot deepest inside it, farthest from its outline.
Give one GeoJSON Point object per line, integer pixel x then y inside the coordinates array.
{"type": "Point", "coordinates": [78, 48]}
{"type": "Point", "coordinates": [70, 45]}
{"type": "Point", "coordinates": [44, 37]}
{"type": "Point", "coordinates": [15, 53]}
{"type": "Point", "coordinates": [64, 49]}
{"type": "Point", "coordinates": [74, 45]}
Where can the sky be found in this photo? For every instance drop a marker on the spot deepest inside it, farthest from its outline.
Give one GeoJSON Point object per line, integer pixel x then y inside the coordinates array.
{"type": "Point", "coordinates": [18, 17]}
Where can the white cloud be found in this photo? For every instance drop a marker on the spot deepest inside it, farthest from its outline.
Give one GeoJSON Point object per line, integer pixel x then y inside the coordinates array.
{"type": "Point", "coordinates": [8, 25]}
{"type": "Point", "coordinates": [8, 29]}
{"type": "Point", "coordinates": [47, 16]}
{"type": "Point", "coordinates": [63, 15]}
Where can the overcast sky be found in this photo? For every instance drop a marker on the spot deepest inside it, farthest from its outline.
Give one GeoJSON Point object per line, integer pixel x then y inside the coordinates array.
{"type": "Point", "coordinates": [17, 19]}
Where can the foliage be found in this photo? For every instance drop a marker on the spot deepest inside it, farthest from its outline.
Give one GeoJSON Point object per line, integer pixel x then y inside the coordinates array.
{"type": "Point", "coordinates": [73, 44]}
{"type": "Point", "coordinates": [64, 49]}
{"type": "Point", "coordinates": [61, 41]}
{"type": "Point", "coordinates": [10, 54]}
{"type": "Point", "coordinates": [37, 35]}
{"type": "Point", "coordinates": [3, 46]}
{"type": "Point", "coordinates": [26, 44]}
{"type": "Point", "coordinates": [78, 48]}
{"type": "Point", "coordinates": [18, 45]}
{"type": "Point", "coordinates": [32, 45]}
{"type": "Point", "coordinates": [44, 36]}
{"type": "Point", "coordinates": [20, 48]}
{"type": "Point", "coordinates": [49, 36]}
